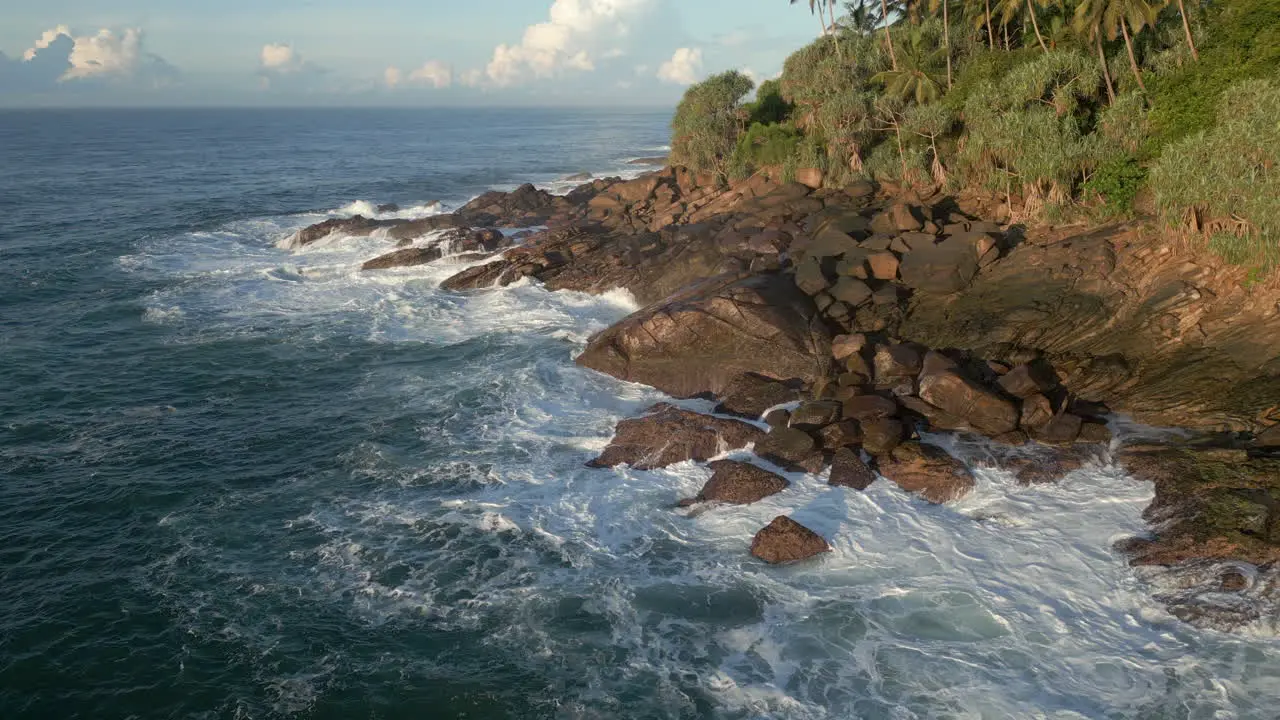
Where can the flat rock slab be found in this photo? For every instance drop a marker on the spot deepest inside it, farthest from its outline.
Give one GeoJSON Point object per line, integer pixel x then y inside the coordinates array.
{"type": "Point", "coordinates": [408, 257]}
{"type": "Point", "coordinates": [669, 435]}
{"type": "Point", "coordinates": [739, 483]}
{"type": "Point", "coordinates": [785, 540]}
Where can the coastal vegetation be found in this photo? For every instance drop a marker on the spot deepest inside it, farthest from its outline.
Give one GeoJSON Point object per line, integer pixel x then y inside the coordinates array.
{"type": "Point", "coordinates": [1108, 108]}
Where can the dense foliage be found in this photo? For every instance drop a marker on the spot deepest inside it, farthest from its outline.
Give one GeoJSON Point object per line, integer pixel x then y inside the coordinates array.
{"type": "Point", "coordinates": [1058, 106]}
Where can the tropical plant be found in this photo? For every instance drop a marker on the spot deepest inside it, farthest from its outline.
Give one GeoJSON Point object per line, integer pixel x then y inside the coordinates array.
{"type": "Point", "coordinates": [1109, 17]}
{"type": "Point", "coordinates": [915, 78]}
{"type": "Point", "coordinates": [704, 130]}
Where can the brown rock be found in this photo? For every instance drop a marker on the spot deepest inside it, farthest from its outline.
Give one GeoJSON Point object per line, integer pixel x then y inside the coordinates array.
{"type": "Point", "coordinates": [884, 265]}
{"type": "Point", "coordinates": [785, 540]}
{"type": "Point", "coordinates": [1037, 412]}
{"type": "Point", "coordinates": [740, 483]}
{"type": "Point", "coordinates": [845, 345]}
{"type": "Point", "coordinates": [1097, 433]}
{"type": "Point", "coordinates": [815, 414]}
{"type": "Point", "coordinates": [957, 396]}
{"type": "Point", "coordinates": [906, 218]}
{"type": "Point", "coordinates": [1063, 429]}
{"type": "Point", "coordinates": [852, 291]}
{"type": "Point", "coordinates": [881, 435]}
{"type": "Point", "coordinates": [839, 435]}
{"type": "Point", "coordinates": [809, 177]}
{"type": "Point", "coordinates": [894, 363]}
{"type": "Point", "coordinates": [1268, 438]}
{"type": "Point", "coordinates": [408, 257]}
{"type": "Point", "coordinates": [941, 269]}
{"type": "Point", "coordinates": [669, 435]}
{"type": "Point", "coordinates": [809, 277]}
{"type": "Point", "coordinates": [750, 395]}
{"type": "Point", "coordinates": [791, 449]}
{"type": "Point", "coordinates": [928, 471]}
{"type": "Point", "coordinates": [848, 470]}
{"type": "Point", "coordinates": [869, 407]}
{"type": "Point", "coordinates": [699, 340]}
{"type": "Point", "coordinates": [778, 418]}
{"type": "Point", "coordinates": [1025, 381]}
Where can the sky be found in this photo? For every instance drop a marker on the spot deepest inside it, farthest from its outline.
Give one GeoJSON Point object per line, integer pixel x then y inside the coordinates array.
{"type": "Point", "coordinates": [60, 53]}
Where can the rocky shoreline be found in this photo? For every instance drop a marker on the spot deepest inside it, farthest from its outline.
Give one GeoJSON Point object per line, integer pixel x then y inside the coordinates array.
{"type": "Point", "coordinates": [847, 327]}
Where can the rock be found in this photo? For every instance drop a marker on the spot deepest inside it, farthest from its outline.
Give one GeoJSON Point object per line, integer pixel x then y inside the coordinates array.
{"type": "Point", "coordinates": [848, 470]}
{"type": "Point", "coordinates": [699, 340]}
{"type": "Point", "coordinates": [358, 226]}
{"type": "Point", "coordinates": [851, 291]}
{"type": "Point", "coordinates": [881, 435]}
{"type": "Point", "coordinates": [895, 363]}
{"type": "Point", "coordinates": [1063, 429]}
{"type": "Point", "coordinates": [935, 363]}
{"type": "Point", "coordinates": [779, 418]}
{"type": "Point", "coordinates": [1038, 465]}
{"type": "Point", "coordinates": [579, 177]}
{"type": "Point", "coordinates": [809, 277]}
{"type": "Point", "coordinates": [785, 540]}
{"type": "Point", "coordinates": [884, 265]}
{"type": "Point", "coordinates": [388, 208]}
{"type": "Point", "coordinates": [928, 471]}
{"type": "Point", "coordinates": [845, 345]}
{"type": "Point", "coordinates": [403, 258]}
{"type": "Point", "coordinates": [839, 435]}
{"type": "Point", "coordinates": [739, 483]}
{"type": "Point", "coordinates": [809, 177]}
{"type": "Point", "coordinates": [869, 407]}
{"type": "Point", "coordinates": [669, 435]}
{"type": "Point", "coordinates": [751, 395]}
{"type": "Point", "coordinates": [941, 269]}
{"type": "Point", "coordinates": [791, 449]}
{"type": "Point", "coordinates": [1037, 412]}
{"type": "Point", "coordinates": [815, 414]}
{"type": "Point", "coordinates": [1025, 381]}
{"type": "Point", "coordinates": [1095, 433]}
{"type": "Point", "coordinates": [980, 408]}
{"type": "Point", "coordinates": [1268, 438]}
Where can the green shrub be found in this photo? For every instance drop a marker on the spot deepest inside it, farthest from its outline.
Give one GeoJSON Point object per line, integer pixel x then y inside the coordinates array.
{"type": "Point", "coordinates": [1118, 181]}
{"type": "Point", "coordinates": [1227, 179]}
{"type": "Point", "coordinates": [764, 145]}
{"type": "Point", "coordinates": [769, 105]}
{"type": "Point", "coordinates": [705, 128]}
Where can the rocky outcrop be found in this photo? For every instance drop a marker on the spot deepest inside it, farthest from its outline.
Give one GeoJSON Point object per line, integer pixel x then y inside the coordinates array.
{"type": "Point", "coordinates": [407, 257]}
{"type": "Point", "coordinates": [357, 226]}
{"type": "Point", "coordinates": [739, 483]}
{"type": "Point", "coordinates": [785, 540]}
{"type": "Point", "coordinates": [668, 435]}
{"type": "Point", "coordinates": [703, 338]}
{"type": "Point", "coordinates": [752, 395]}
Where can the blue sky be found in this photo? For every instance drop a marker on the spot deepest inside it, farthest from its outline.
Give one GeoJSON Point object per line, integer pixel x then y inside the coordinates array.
{"type": "Point", "coordinates": [389, 52]}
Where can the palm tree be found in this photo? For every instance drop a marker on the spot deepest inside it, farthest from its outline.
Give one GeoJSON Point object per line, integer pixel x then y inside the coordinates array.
{"type": "Point", "coordinates": [980, 11]}
{"type": "Point", "coordinates": [1186, 26]}
{"type": "Point", "coordinates": [916, 78]}
{"type": "Point", "coordinates": [1110, 16]}
{"type": "Point", "coordinates": [946, 32]}
{"type": "Point", "coordinates": [815, 8]}
{"type": "Point", "coordinates": [1008, 9]}
{"type": "Point", "coordinates": [888, 38]}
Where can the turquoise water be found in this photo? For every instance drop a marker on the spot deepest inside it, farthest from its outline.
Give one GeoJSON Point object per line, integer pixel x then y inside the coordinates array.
{"type": "Point", "coordinates": [246, 482]}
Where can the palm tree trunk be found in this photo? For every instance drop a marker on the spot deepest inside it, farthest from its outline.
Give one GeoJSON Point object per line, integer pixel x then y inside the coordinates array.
{"type": "Point", "coordinates": [1133, 61]}
{"type": "Point", "coordinates": [991, 36]}
{"type": "Point", "coordinates": [1186, 25]}
{"type": "Point", "coordinates": [1031, 10]}
{"type": "Point", "coordinates": [1004, 27]}
{"type": "Point", "coordinates": [1106, 72]}
{"type": "Point", "coordinates": [835, 32]}
{"type": "Point", "coordinates": [884, 12]}
{"type": "Point", "coordinates": [946, 38]}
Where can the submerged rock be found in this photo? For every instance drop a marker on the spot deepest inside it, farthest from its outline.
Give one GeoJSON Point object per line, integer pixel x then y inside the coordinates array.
{"type": "Point", "coordinates": [669, 435]}
{"type": "Point", "coordinates": [785, 540]}
{"type": "Point", "coordinates": [927, 470]}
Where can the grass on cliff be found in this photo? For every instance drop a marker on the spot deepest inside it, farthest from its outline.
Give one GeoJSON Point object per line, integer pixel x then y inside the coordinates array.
{"type": "Point", "coordinates": [1052, 127]}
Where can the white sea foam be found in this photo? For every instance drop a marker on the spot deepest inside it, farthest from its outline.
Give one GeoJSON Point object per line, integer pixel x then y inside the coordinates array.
{"type": "Point", "coordinates": [1008, 603]}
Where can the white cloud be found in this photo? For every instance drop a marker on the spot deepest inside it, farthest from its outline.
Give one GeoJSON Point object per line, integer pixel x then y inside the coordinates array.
{"type": "Point", "coordinates": [117, 56]}
{"type": "Point", "coordinates": [283, 59]}
{"type": "Point", "coordinates": [683, 68]}
{"type": "Point", "coordinates": [576, 34]}
{"type": "Point", "coordinates": [46, 40]}
{"type": "Point", "coordinates": [433, 73]}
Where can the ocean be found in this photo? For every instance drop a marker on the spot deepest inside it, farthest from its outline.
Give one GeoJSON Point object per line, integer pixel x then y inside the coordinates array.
{"type": "Point", "coordinates": [244, 481]}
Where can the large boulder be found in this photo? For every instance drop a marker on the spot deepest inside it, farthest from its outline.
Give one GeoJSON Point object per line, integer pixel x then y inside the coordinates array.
{"type": "Point", "coordinates": [785, 540]}
{"type": "Point", "coordinates": [848, 470]}
{"type": "Point", "coordinates": [669, 435]}
{"type": "Point", "coordinates": [751, 395]}
{"type": "Point", "coordinates": [358, 226]}
{"type": "Point", "coordinates": [959, 397]}
{"type": "Point", "coordinates": [944, 268]}
{"type": "Point", "coordinates": [791, 449]}
{"type": "Point", "coordinates": [739, 483]}
{"type": "Point", "coordinates": [928, 471]}
{"type": "Point", "coordinates": [701, 339]}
